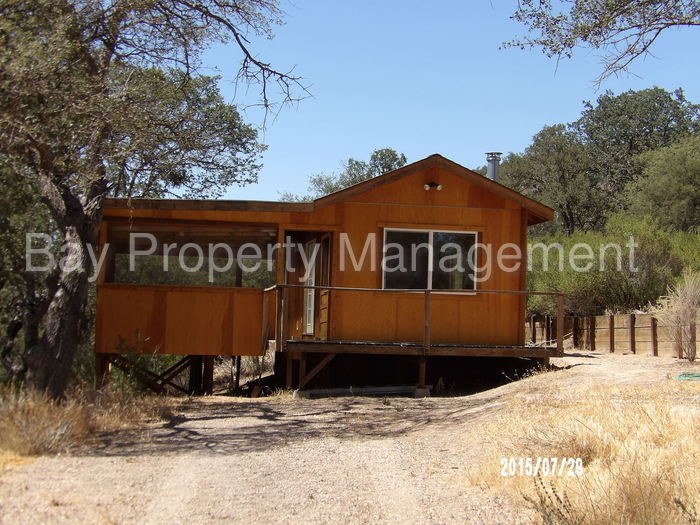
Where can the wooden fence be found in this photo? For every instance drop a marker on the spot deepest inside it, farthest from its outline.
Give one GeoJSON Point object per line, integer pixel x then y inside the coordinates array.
{"type": "Point", "coordinates": [623, 333]}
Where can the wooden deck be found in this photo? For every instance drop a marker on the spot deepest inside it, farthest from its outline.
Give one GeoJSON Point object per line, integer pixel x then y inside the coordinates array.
{"type": "Point", "coordinates": [436, 349]}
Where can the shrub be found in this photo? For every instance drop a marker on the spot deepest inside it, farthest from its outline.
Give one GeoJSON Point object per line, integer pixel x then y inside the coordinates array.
{"type": "Point", "coordinates": [33, 424]}
{"type": "Point", "coordinates": [679, 309]}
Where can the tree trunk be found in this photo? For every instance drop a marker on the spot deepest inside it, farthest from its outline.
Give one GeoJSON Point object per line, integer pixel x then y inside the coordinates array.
{"type": "Point", "coordinates": [50, 361]}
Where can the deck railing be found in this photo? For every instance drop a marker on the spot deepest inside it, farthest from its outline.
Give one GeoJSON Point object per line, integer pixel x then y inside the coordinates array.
{"type": "Point", "coordinates": [281, 296]}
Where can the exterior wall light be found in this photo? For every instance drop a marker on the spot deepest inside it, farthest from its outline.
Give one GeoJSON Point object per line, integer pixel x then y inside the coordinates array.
{"type": "Point", "coordinates": [429, 186]}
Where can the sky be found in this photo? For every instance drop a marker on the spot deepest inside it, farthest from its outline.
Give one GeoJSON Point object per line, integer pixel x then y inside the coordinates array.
{"type": "Point", "coordinates": [422, 78]}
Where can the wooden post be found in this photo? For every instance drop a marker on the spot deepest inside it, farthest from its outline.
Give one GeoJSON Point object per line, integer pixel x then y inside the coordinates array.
{"type": "Point", "coordinates": [195, 382]}
{"type": "Point", "coordinates": [302, 369]}
{"type": "Point", "coordinates": [208, 375]}
{"type": "Point", "coordinates": [611, 332]}
{"type": "Point", "coordinates": [278, 320]}
{"type": "Point", "coordinates": [237, 383]}
{"type": "Point", "coordinates": [692, 337]}
{"type": "Point", "coordinates": [421, 371]}
{"type": "Point", "coordinates": [575, 334]}
{"type": "Point", "coordinates": [591, 333]}
{"type": "Point", "coordinates": [533, 330]}
{"type": "Point", "coordinates": [284, 323]}
{"type": "Point", "coordinates": [426, 323]}
{"type": "Point", "coordinates": [289, 371]}
{"type": "Point", "coordinates": [265, 324]}
{"type": "Point", "coordinates": [678, 341]}
{"type": "Point", "coordinates": [632, 328]}
{"type": "Point", "coordinates": [560, 324]}
{"type": "Point", "coordinates": [654, 337]}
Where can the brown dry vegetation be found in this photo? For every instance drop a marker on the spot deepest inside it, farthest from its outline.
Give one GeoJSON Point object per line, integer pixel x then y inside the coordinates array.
{"type": "Point", "coordinates": [640, 448]}
{"type": "Point", "coordinates": [33, 424]}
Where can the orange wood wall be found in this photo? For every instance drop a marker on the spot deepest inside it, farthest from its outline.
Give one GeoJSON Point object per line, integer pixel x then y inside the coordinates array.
{"type": "Point", "coordinates": [230, 319]}
{"type": "Point", "coordinates": [178, 320]}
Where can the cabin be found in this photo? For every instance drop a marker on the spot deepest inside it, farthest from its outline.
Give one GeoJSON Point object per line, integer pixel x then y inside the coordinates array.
{"type": "Point", "coordinates": [405, 267]}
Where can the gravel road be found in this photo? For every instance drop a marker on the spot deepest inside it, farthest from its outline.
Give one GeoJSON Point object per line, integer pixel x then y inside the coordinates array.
{"type": "Point", "coordinates": [279, 460]}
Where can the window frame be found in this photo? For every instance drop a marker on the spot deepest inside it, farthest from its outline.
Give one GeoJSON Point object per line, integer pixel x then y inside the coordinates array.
{"type": "Point", "coordinates": [431, 232]}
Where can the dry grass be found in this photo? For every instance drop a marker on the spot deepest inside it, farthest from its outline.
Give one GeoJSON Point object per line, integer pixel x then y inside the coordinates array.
{"type": "Point", "coordinates": [32, 424]}
{"type": "Point", "coordinates": [640, 448]}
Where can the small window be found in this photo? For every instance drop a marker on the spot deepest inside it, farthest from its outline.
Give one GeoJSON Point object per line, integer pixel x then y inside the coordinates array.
{"type": "Point", "coordinates": [429, 259]}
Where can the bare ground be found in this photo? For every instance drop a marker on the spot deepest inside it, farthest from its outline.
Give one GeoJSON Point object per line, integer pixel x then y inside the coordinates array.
{"type": "Point", "coordinates": [357, 460]}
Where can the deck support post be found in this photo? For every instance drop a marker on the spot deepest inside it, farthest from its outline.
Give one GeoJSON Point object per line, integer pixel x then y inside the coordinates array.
{"type": "Point", "coordinates": [288, 370]}
{"type": "Point", "coordinates": [533, 329]}
{"type": "Point", "coordinates": [237, 381]}
{"type": "Point", "coordinates": [421, 371]}
{"type": "Point", "coordinates": [195, 381]}
{"type": "Point", "coordinates": [208, 375]}
{"type": "Point", "coordinates": [611, 332]}
{"type": "Point", "coordinates": [304, 379]}
{"type": "Point", "coordinates": [302, 368]}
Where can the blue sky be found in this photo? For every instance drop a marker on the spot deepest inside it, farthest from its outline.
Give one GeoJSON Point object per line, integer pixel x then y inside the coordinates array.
{"type": "Point", "coordinates": [422, 78]}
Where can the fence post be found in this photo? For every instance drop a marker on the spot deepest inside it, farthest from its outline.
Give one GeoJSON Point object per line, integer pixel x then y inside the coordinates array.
{"type": "Point", "coordinates": [560, 325]}
{"type": "Point", "coordinates": [632, 327]}
{"type": "Point", "coordinates": [654, 337]}
{"type": "Point", "coordinates": [611, 332]}
{"type": "Point", "coordinates": [533, 330]}
{"type": "Point", "coordinates": [678, 341]}
{"type": "Point", "coordinates": [591, 332]}
{"type": "Point", "coordinates": [575, 336]}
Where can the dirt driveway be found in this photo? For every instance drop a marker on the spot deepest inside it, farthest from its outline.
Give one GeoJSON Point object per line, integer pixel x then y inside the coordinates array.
{"type": "Point", "coordinates": [358, 460]}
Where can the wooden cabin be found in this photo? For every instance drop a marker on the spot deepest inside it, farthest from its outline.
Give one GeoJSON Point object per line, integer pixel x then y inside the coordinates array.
{"type": "Point", "coordinates": [333, 306]}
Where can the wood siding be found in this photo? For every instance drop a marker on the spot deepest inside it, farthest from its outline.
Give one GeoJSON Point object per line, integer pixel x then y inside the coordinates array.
{"type": "Point", "coordinates": [227, 321]}
{"type": "Point", "coordinates": [178, 320]}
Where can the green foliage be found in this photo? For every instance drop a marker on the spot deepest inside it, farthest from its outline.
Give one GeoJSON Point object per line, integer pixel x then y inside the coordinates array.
{"type": "Point", "coordinates": [614, 283]}
{"type": "Point", "coordinates": [670, 185]}
{"type": "Point", "coordinates": [582, 169]}
{"type": "Point", "coordinates": [557, 170]}
{"type": "Point", "coordinates": [354, 171]}
{"type": "Point", "coordinates": [624, 29]}
{"type": "Point", "coordinates": [180, 137]}
{"type": "Point", "coordinates": [106, 97]}
{"type": "Point", "coordinates": [620, 127]}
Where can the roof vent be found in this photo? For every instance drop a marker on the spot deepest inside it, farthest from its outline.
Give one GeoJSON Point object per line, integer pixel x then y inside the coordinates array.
{"type": "Point", "coordinates": [493, 158]}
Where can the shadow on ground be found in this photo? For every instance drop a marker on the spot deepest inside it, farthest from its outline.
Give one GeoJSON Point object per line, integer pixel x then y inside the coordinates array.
{"type": "Point", "coordinates": [230, 426]}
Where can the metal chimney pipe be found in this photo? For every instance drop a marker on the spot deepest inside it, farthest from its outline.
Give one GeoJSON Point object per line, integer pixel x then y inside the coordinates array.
{"type": "Point", "coordinates": [493, 159]}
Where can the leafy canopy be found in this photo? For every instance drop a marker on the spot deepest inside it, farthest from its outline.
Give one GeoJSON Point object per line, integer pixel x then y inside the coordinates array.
{"type": "Point", "coordinates": [354, 171]}
{"type": "Point", "coordinates": [670, 185]}
{"type": "Point", "coordinates": [623, 29]}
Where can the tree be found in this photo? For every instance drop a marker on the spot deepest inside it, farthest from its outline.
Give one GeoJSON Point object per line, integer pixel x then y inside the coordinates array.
{"type": "Point", "coordinates": [669, 188]}
{"type": "Point", "coordinates": [618, 128]}
{"type": "Point", "coordinates": [624, 29]}
{"type": "Point", "coordinates": [81, 99]}
{"type": "Point", "coordinates": [557, 169]}
{"type": "Point", "coordinates": [354, 171]}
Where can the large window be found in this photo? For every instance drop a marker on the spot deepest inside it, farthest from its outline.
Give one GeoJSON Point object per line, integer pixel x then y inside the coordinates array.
{"type": "Point", "coordinates": [428, 259]}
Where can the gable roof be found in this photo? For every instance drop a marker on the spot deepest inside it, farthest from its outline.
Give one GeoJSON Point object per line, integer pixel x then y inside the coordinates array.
{"type": "Point", "coordinates": [538, 211]}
